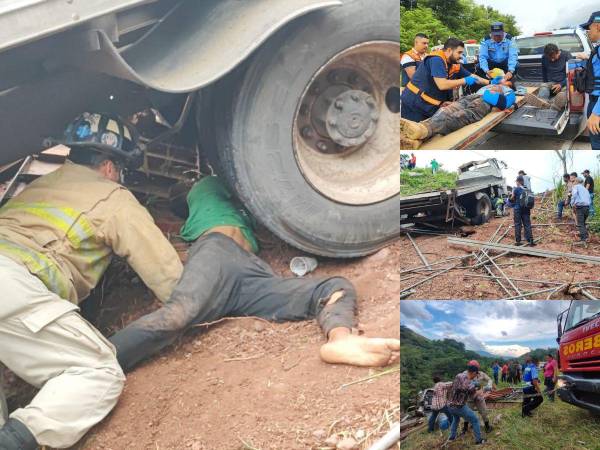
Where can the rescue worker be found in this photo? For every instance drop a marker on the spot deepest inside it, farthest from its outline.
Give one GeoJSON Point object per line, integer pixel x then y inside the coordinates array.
{"type": "Point", "coordinates": [498, 50]}
{"type": "Point", "coordinates": [580, 203]}
{"type": "Point", "coordinates": [521, 214]}
{"type": "Point", "coordinates": [411, 60]}
{"type": "Point", "coordinates": [593, 113]}
{"type": "Point", "coordinates": [57, 238]}
{"type": "Point", "coordinates": [433, 83]}
{"type": "Point", "coordinates": [588, 183]}
{"type": "Point", "coordinates": [463, 387]}
{"type": "Point", "coordinates": [564, 202]}
{"type": "Point", "coordinates": [223, 277]}
{"type": "Point", "coordinates": [456, 115]}
{"type": "Point", "coordinates": [532, 395]}
{"type": "Point", "coordinates": [477, 400]}
{"type": "Point", "coordinates": [526, 180]}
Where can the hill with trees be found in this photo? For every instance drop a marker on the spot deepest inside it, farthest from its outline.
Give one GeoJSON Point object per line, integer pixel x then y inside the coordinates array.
{"type": "Point", "coordinates": [441, 19]}
{"type": "Point", "coordinates": [421, 358]}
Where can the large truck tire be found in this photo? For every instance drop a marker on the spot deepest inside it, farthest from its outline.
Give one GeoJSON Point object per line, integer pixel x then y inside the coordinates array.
{"type": "Point", "coordinates": [479, 205]}
{"type": "Point", "coordinates": [307, 132]}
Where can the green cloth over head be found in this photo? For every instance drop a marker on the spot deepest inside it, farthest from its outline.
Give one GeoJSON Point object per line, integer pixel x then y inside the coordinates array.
{"type": "Point", "coordinates": [211, 205]}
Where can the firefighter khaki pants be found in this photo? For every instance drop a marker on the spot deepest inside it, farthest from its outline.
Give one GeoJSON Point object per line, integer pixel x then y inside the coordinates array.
{"type": "Point", "coordinates": [48, 344]}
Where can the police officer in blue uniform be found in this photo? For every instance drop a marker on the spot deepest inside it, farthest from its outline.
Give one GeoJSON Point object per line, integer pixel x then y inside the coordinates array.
{"type": "Point", "coordinates": [498, 50]}
{"type": "Point", "coordinates": [433, 82]}
{"type": "Point", "coordinates": [593, 113]}
{"type": "Point", "coordinates": [532, 396]}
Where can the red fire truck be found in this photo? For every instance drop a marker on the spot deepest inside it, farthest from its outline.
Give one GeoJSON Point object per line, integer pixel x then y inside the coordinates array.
{"type": "Point", "coordinates": [579, 354]}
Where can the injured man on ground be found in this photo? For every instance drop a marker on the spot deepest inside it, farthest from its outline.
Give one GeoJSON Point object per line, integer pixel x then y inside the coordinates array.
{"type": "Point", "coordinates": [470, 109]}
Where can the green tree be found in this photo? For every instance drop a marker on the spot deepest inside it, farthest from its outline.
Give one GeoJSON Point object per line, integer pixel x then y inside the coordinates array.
{"type": "Point", "coordinates": [420, 20]}
{"type": "Point", "coordinates": [441, 19]}
{"type": "Point", "coordinates": [409, 4]}
{"type": "Point", "coordinates": [449, 12]}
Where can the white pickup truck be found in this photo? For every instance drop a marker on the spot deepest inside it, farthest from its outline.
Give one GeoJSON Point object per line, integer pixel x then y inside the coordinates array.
{"type": "Point", "coordinates": [568, 123]}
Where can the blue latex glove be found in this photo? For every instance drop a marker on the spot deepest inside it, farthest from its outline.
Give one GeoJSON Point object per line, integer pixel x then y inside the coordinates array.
{"type": "Point", "coordinates": [487, 389]}
{"type": "Point", "coordinates": [475, 383]}
{"type": "Point", "coordinates": [497, 80]}
{"type": "Point", "coordinates": [470, 80]}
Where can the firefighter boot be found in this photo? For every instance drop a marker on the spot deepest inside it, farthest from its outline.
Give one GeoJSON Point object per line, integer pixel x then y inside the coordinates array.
{"type": "Point", "coordinates": [414, 130]}
{"type": "Point", "coordinates": [409, 144]}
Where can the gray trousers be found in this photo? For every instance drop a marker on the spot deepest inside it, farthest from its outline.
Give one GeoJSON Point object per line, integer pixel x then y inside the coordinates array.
{"type": "Point", "coordinates": [557, 101]}
{"type": "Point", "coordinates": [582, 213]}
{"type": "Point", "coordinates": [221, 279]}
{"type": "Point", "coordinates": [478, 402]}
{"type": "Point", "coordinates": [467, 110]}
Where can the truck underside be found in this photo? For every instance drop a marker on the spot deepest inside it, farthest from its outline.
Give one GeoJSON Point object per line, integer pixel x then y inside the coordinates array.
{"type": "Point", "coordinates": [303, 126]}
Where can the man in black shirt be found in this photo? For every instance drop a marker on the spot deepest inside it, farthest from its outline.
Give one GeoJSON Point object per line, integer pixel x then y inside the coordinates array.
{"type": "Point", "coordinates": [589, 185]}
{"type": "Point", "coordinates": [553, 93]}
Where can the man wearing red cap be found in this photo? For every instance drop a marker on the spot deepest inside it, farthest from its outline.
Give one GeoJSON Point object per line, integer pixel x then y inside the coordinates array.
{"type": "Point", "coordinates": [463, 387]}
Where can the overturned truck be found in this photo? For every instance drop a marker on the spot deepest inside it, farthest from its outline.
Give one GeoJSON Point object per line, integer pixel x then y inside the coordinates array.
{"type": "Point", "coordinates": [295, 103]}
{"type": "Point", "coordinates": [469, 202]}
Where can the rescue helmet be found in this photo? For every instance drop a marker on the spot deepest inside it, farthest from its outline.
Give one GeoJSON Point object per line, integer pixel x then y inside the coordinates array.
{"type": "Point", "coordinates": [497, 72]}
{"type": "Point", "coordinates": [92, 133]}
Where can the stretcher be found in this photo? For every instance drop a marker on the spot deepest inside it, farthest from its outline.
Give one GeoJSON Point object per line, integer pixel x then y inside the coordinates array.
{"type": "Point", "coordinates": [469, 135]}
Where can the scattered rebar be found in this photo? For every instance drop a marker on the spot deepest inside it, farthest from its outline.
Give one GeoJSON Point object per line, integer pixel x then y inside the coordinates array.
{"type": "Point", "coordinates": [412, 241]}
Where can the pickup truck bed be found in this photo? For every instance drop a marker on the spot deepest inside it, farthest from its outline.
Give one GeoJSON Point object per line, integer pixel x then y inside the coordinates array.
{"type": "Point", "coordinates": [470, 134]}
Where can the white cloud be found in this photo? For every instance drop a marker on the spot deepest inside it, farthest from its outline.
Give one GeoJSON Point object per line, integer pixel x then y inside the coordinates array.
{"type": "Point", "coordinates": [445, 307]}
{"type": "Point", "coordinates": [532, 18]}
{"type": "Point", "coordinates": [507, 350]}
{"type": "Point", "coordinates": [501, 328]}
{"type": "Point", "coordinates": [412, 309]}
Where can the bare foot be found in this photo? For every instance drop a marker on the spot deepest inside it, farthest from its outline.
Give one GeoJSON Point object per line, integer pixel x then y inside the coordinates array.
{"type": "Point", "coordinates": [361, 351]}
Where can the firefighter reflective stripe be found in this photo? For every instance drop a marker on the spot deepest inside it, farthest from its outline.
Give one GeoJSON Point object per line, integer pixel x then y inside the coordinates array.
{"type": "Point", "coordinates": [415, 90]}
{"type": "Point", "coordinates": [77, 229]}
{"type": "Point", "coordinates": [39, 265]}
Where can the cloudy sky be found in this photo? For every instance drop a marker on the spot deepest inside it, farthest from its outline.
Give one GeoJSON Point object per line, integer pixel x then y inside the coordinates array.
{"type": "Point", "coordinates": [543, 166]}
{"type": "Point", "coordinates": [503, 328]}
{"type": "Point", "coordinates": [532, 17]}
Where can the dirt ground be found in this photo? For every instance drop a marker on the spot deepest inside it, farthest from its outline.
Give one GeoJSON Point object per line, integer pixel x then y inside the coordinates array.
{"type": "Point", "coordinates": [249, 384]}
{"type": "Point", "coordinates": [459, 285]}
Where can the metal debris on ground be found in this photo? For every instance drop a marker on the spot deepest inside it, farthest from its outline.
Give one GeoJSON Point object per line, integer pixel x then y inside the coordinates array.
{"type": "Point", "coordinates": [482, 259]}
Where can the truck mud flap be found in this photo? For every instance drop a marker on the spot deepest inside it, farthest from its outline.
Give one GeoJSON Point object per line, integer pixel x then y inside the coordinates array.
{"type": "Point", "coordinates": [534, 121]}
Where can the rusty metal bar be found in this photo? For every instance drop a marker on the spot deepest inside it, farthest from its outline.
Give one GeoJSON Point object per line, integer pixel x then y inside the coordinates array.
{"type": "Point", "coordinates": [412, 241]}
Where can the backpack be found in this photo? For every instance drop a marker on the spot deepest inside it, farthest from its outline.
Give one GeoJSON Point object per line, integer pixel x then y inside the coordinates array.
{"type": "Point", "coordinates": [583, 81]}
{"type": "Point", "coordinates": [527, 199]}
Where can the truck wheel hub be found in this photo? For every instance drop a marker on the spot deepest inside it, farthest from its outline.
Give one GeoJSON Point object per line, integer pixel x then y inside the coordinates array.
{"type": "Point", "coordinates": [346, 128]}
{"type": "Point", "coordinates": [352, 118]}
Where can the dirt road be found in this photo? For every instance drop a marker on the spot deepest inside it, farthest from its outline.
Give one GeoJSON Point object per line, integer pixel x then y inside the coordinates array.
{"type": "Point", "coordinates": [247, 384]}
{"type": "Point", "coordinates": [466, 284]}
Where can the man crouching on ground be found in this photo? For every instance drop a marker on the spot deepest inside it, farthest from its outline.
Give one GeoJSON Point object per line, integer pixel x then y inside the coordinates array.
{"type": "Point", "coordinates": [223, 277]}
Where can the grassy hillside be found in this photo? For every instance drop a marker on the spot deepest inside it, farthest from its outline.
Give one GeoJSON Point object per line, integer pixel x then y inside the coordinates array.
{"type": "Point", "coordinates": [425, 181]}
{"type": "Point", "coordinates": [555, 425]}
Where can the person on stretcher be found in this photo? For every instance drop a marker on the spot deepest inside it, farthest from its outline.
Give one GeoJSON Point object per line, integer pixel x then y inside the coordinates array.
{"type": "Point", "coordinates": [469, 109]}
